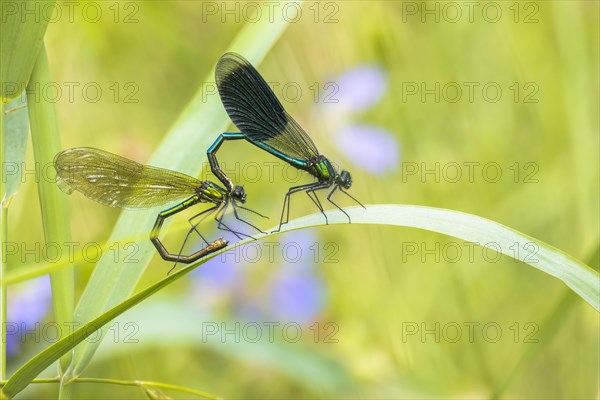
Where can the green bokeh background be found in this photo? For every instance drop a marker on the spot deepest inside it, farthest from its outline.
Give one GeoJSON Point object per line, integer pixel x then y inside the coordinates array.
{"type": "Point", "coordinates": [375, 290]}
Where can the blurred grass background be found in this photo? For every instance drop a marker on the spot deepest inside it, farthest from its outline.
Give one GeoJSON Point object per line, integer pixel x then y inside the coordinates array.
{"type": "Point", "coordinates": [374, 291]}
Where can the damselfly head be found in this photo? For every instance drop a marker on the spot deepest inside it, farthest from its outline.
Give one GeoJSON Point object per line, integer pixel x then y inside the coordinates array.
{"type": "Point", "coordinates": [344, 179]}
{"type": "Point", "coordinates": [238, 194]}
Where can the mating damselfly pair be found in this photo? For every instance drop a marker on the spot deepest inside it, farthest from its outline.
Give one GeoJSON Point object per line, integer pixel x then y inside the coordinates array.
{"type": "Point", "coordinates": [255, 110]}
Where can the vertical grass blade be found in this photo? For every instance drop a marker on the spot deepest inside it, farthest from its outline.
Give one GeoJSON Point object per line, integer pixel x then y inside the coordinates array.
{"type": "Point", "coordinates": [16, 130]}
{"type": "Point", "coordinates": [3, 239]}
{"type": "Point", "coordinates": [21, 34]}
{"type": "Point", "coordinates": [20, 42]}
{"type": "Point", "coordinates": [55, 218]}
{"type": "Point", "coordinates": [189, 138]}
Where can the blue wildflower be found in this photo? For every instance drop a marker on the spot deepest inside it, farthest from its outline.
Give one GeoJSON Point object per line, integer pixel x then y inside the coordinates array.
{"type": "Point", "coordinates": [28, 303]}
{"type": "Point", "coordinates": [371, 148]}
{"type": "Point", "coordinates": [359, 88]}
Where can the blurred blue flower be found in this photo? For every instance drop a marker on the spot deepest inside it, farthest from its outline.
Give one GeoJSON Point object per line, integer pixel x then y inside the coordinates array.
{"type": "Point", "coordinates": [294, 292]}
{"type": "Point", "coordinates": [218, 274]}
{"type": "Point", "coordinates": [28, 303]}
{"type": "Point", "coordinates": [298, 249]}
{"type": "Point", "coordinates": [215, 281]}
{"type": "Point", "coordinates": [360, 87]}
{"type": "Point", "coordinates": [371, 148]}
{"type": "Point", "coordinates": [298, 297]}
{"type": "Point", "coordinates": [297, 293]}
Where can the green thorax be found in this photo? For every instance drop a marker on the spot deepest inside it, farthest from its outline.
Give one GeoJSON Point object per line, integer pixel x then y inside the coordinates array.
{"type": "Point", "coordinates": [211, 193]}
{"type": "Point", "coordinates": [322, 169]}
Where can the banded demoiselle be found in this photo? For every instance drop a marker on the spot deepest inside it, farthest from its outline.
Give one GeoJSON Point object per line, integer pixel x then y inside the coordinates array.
{"type": "Point", "coordinates": [116, 181]}
{"type": "Point", "coordinates": [262, 120]}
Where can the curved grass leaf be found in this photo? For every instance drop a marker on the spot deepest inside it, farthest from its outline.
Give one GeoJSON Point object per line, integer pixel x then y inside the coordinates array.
{"type": "Point", "coordinates": [578, 276]}
{"type": "Point", "coordinates": [43, 360]}
{"type": "Point", "coordinates": [582, 279]}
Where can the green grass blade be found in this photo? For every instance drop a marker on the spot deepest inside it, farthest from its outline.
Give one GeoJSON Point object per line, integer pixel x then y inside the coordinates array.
{"type": "Point", "coordinates": [20, 379]}
{"type": "Point", "coordinates": [3, 296]}
{"type": "Point", "coordinates": [45, 139]}
{"type": "Point", "coordinates": [16, 131]}
{"type": "Point", "coordinates": [189, 138]}
{"type": "Point", "coordinates": [3, 239]}
{"type": "Point", "coordinates": [579, 277]}
{"type": "Point", "coordinates": [582, 279]}
{"type": "Point", "coordinates": [20, 42]}
{"type": "Point", "coordinates": [21, 39]}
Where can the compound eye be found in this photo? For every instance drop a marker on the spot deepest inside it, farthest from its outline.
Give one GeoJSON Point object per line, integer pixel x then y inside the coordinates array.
{"type": "Point", "coordinates": [345, 179]}
{"type": "Point", "coordinates": [239, 193]}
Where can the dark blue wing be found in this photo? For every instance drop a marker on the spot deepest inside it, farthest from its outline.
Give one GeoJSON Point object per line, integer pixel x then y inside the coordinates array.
{"type": "Point", "coordinates": [256, 111]}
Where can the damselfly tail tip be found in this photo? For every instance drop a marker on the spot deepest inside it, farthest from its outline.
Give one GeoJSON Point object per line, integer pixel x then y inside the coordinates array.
{"type": "Point", "coordinates": [217, 245]}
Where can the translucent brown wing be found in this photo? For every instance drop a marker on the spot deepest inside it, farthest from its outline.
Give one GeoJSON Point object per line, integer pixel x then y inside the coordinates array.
{"type": "Point", "coordinates": [116, 181]}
